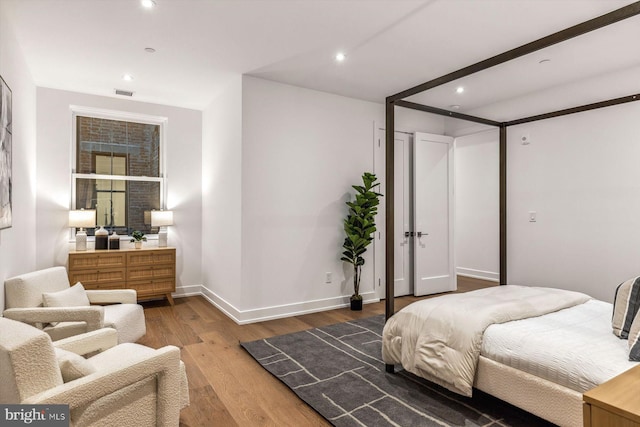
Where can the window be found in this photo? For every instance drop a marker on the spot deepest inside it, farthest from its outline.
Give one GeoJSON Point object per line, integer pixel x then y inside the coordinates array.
{"type": "Point", "coordinates": [118, 168]}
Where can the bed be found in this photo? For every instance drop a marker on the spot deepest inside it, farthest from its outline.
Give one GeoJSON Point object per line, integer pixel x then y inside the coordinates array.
{"type": "Point", "coordinates": [536, 348]}
{"type": "Point", "coordinates": [524, 381]}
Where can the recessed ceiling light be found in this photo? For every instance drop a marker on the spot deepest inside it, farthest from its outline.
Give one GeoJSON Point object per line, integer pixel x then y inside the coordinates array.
{"type": "Point", "coordinates": [127, 77]}
{"type": "Point", "coordinates": [148, 3]}
{"type": "Point", "coordinates": [459, 89]}
{"type": "Point", "coordinates": [544, 61]}
{"type": "Point", "coordinates": [454, 107]}
{"type": "Point", "coordinates": [149, 49]}
{"type": "Point", "coordinates": [340, 56]}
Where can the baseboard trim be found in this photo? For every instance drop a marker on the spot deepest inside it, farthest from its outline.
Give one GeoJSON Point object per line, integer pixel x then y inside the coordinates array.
{"type": "Point", "coordinates": [478, 274]}
{"type": "Point", "coordinates": [245, 317]}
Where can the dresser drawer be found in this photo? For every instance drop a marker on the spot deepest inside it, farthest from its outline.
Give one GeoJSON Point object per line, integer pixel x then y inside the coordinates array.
{"type": "Point", "coordinates": [101, 260]}
{"type": "Point", "coordinates": [139, 259]}
{"type": "Point", "coordinates": [151, 272]}
{"type": "Point", "coordinates": [88, 278]}
{"type": "Point", "coordinates": [153, 287]}
{"type": "Point", "coordinates": [104, 286]}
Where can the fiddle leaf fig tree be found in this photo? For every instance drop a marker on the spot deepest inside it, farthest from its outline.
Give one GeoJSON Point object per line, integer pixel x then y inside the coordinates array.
{"type": "Point", "coordinates": [359, 226]}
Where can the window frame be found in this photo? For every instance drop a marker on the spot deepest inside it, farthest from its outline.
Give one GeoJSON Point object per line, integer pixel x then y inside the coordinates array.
{"type": "Point", "coordinates": [94, 162]}
{"type": "Point", "coordinates": [118, 116]}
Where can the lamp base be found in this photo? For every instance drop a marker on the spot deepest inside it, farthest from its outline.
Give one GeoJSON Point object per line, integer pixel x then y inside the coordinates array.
{"type": "Point", "coordinates": [81, 240]}
{"type": "Point", "coordinates": [162, 237]}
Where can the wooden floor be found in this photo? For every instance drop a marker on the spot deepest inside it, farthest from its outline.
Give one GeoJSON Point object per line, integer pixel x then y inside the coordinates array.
{"type": "Point", "coordinates": [226, 386]}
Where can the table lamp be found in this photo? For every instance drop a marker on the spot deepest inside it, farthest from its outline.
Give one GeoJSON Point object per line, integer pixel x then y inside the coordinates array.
{"type": "Point", "coordinates": [162, 219]}
{"type": "Point", "coordinates": [82, 219]}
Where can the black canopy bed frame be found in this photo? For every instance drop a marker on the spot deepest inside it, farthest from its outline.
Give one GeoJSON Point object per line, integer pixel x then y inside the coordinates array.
{"type": "Point", "coordinates": [398, 100]}
{"type": "Point", "coordinates": [545, 398]}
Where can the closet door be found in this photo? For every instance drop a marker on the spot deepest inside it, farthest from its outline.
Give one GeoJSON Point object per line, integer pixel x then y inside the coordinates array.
{"type": "Point", "coordinates": [403, 242]}
{"type": "Point", "coordinates": [433, 214]}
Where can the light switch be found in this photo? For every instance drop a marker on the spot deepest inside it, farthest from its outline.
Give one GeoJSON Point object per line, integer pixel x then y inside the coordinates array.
{"type": "Point", "coordinates": [532, 216]}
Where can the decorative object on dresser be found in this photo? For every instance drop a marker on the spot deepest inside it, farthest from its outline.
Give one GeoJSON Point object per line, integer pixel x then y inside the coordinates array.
{"type": "Point", "coordinates": [150, 272]}
{"type": "Point", "coordinates": [114, 241]}
{"type": "Point", "coordinates": [162, 219]}
{"type": "Point", "coordinates": [137, 237]}
{"type": "Point", "coordinates": [102, 239]}
{"type": "Point", "coordinates": [82, 219]}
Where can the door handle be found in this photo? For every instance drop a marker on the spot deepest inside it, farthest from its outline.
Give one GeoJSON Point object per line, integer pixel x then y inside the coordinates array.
{"type": "Point", "coordinates": [420, 234]}
{"type": "Point", "coordinates": [408, 234]}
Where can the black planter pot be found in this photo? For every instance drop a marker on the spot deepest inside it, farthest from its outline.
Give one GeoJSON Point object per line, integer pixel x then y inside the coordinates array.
{"type": "Point", "coordinates": [356, 304]}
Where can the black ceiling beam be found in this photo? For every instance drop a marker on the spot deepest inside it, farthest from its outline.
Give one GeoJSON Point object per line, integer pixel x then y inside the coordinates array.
{"type": "Point", "coordinates": [440, 111]}
{"type": "Point", "coordinates": [566, 34]}
{"type": "Point", "coordinates": [573, 110]}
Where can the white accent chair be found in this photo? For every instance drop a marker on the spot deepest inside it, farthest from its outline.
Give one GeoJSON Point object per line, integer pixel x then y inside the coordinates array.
{"type": "Point", "coordinates": [124, 385]}
{"type": "Point", "coordinates": [24, 303]}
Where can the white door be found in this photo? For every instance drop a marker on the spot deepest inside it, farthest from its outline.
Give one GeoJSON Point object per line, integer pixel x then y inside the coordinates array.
{"type": "Point", "coordinates": [433, 214]}
{"type": "Point", "coordinates": [402, 215]}
{"type": "Point", "coordinates": [403, 277]}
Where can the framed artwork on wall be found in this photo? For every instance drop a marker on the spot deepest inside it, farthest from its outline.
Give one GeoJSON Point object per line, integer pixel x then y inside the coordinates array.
{"type": "Point", "coordinates": [5, 155]}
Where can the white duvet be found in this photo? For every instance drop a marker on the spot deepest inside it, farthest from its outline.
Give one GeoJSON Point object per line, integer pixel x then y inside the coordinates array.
{"type": "Point", "coordinates": [574, 347]}
{"type": "Point", "coordinates": [440, 338]}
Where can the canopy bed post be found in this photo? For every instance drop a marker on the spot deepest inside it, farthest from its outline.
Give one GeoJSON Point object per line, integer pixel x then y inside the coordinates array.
{"type": "Point", "coordinates": [389, 199]}
{"type": "Point", "coordinates": [503, 204]}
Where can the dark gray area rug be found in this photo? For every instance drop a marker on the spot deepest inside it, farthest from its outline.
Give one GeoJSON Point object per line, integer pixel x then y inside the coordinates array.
{"type": "Point", "coordinates": [338, 370]}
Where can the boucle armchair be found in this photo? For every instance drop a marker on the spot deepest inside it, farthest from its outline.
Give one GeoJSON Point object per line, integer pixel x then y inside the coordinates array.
{"type": "Point", "coordinates": [123, 385]}
{"type": "Point", "coordinates": [45, 299]}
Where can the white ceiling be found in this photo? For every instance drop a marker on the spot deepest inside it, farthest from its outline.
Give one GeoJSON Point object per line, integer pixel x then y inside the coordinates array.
{"type": "Point", "coordinates": [391, 45]}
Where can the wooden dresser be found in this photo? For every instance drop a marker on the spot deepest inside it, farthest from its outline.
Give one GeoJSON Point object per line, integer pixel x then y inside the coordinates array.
{"type": "Point", "coordinates": [151, 272]}
{"type": "Point", "coordinates": [615, 403]}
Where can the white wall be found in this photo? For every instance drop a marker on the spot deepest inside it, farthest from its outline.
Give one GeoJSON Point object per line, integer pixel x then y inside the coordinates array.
{"type": "Point", "coordinates": [278, 165]}
{"type": "Point", "coordinates": [580, 174]}
{"type": "Point", "coordinates": [221, 197]}
{"type": "Point", "coordinates": [297, 154]}
{"type": "Point", "coordinates": [302, 151]}
{"type": "Point", "coordinates": [477, 224]}
{"type": "Point", "coordinates": [17, 244]}
{"type": "Point", "coordinates": [184, 195]}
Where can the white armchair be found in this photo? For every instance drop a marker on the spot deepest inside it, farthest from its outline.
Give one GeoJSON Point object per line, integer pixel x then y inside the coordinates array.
{"type": "Point", "coordinates": [24, 302]}
{"type": "Point", "coordinates": [124, 385]}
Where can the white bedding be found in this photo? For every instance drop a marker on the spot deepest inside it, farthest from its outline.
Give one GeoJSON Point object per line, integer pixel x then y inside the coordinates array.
{"type": "Point", "coordinates": [573, 347]}
{"type": "Point", "coordinates": [440, 338]}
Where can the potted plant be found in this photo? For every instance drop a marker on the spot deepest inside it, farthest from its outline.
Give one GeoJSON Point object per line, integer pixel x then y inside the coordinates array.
{"type": "Point", "coordinates": [137, 237]}
{"type": "Point", "coordinates": [359, 227]}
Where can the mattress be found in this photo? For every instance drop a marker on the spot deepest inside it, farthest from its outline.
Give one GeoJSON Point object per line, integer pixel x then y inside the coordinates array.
{"type": "Point", "coordinates": [574, 347]}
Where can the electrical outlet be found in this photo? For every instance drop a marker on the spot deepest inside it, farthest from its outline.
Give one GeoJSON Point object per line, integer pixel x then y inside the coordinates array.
{"type": "Point", "coordinates": [328, 277]}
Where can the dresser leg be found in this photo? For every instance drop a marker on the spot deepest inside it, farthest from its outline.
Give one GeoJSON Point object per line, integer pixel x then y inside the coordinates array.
{"type": "Point", "coordinates": [170, 298]}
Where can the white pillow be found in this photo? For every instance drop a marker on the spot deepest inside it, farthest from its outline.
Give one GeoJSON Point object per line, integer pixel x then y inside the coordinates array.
{"type": "Point", "coordinates": [634, 339]}
{"type": "Point", "coordinates": [72, 366]}
{"type": "Point", "coordinates": [75, 296]}
{"type": "Point", "coordinates": [625, 306]}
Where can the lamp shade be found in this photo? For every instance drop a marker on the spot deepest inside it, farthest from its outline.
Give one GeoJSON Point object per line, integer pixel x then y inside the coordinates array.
{"type": "Point", "coordinates": [161, 218]}
{"type": "Point", "coordinates": [82, 218]}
